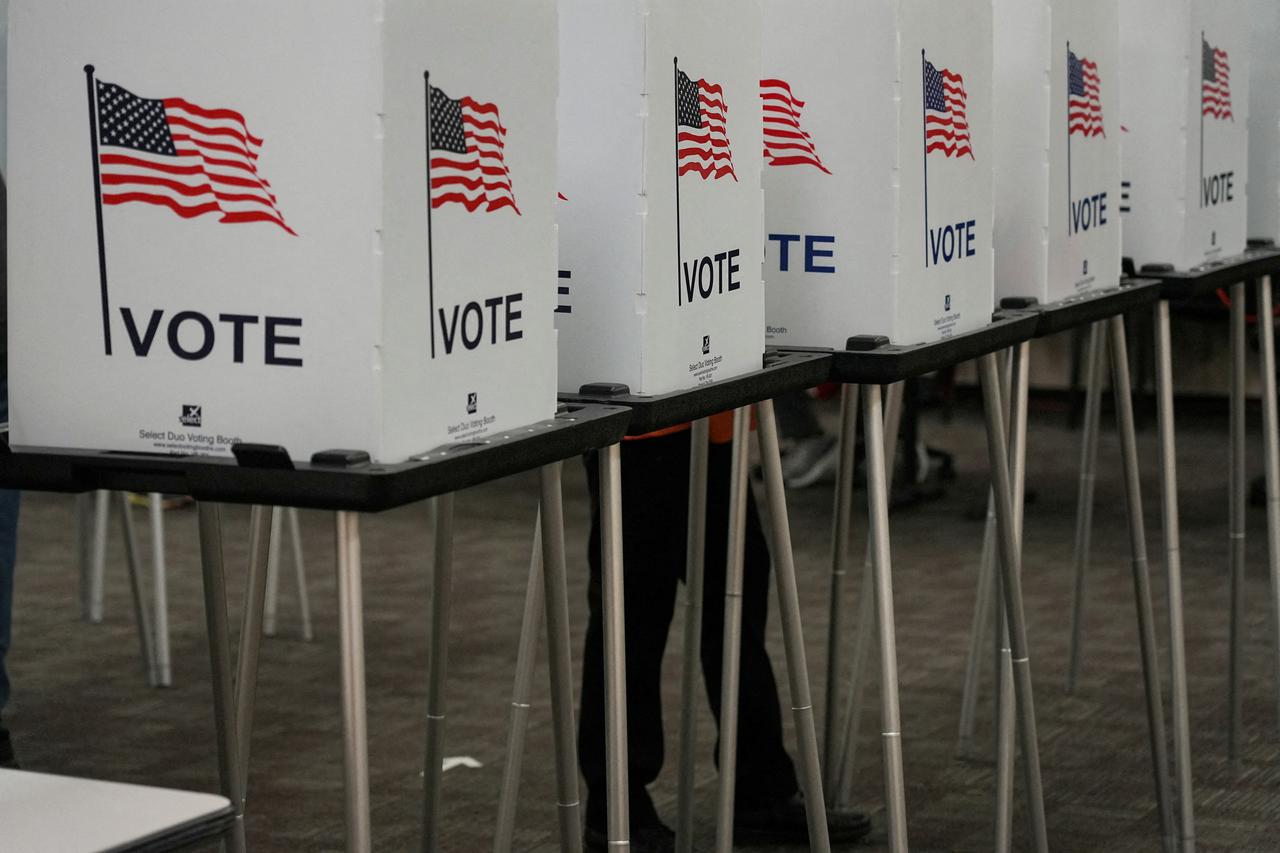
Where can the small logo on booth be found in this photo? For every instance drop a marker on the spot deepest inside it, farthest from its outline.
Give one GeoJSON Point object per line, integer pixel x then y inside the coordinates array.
{"type": "Point", "coordinates": [706, 345]}
{"type": "Point", "coordinates": [946, 303]}
{"type": "Point", "coordinates": [473, 403]}
{"type": "Point", "coordinates": [1085, 270]}
{"type": "Point", "coordinates": [191, 415]}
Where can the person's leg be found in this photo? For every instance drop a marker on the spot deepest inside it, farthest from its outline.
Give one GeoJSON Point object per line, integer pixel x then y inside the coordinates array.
{"type": "Point", "coordinates": [765, 773]}
{"type": "Point", "coordinates": [654, 501]}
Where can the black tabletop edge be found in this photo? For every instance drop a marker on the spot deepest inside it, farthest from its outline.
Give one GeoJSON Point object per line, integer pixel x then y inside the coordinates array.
{"type": "Point", "coordinates": [1206, 278]}
{"type": "Point", "coordinates": [366, 487]}
{"type": "Point", "coordinates": [782, 371]}
{"type": "Point", "coordinates": [891, 363]}
{"type": "Point", "coordinates": [186, 836]}
{"type": "Point", "coordinates": [1128, 295]}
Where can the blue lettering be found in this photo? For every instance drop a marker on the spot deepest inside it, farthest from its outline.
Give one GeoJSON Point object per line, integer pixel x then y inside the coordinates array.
{"type": "Point", "coordinates": [949, 242]}
{"type": "Point", "coordinates": [206, 331]}
{"type": "Point", "coordinates": [141, 346]}
{"type": "Point", "coordinates": [811, 251]}
{"type": "Point", "coordinates": [1217, 188]}
{"type": "Point", "coordinates": [784, 245]}
{"type": "Point", "coordinates": [1089, 212]}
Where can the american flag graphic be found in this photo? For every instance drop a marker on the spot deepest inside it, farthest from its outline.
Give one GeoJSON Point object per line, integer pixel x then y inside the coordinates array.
{"type": "Point", "coordinates": [704, 147]}
{"type": "Point", "coordinates": [1084, 97]}
{"type": "Point", "coordinates": [1215, 84]}
{"type": "Point", "coordinates": [176, 154]}
{"type": "Point", "coordinates": [467, 155]}
{"type": "Point", "coordinates": [946, 127]}
{"type": "Point", "coordinates": [785, 142]}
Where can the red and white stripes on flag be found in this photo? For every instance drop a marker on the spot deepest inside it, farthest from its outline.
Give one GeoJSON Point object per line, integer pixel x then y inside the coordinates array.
{"type": "Point", "coordinates": [173, 153]}
{"type": "Point", "coordinates": [946, 125]}
{"type": "Point", "coordinates": [785, 142]}
{"type": "Point", "coordinates": [468, 166]}
{"type": "Point", "coordinates": [1215, 84]}
{"type": "Point", "coordinates": [701, 133]}
{"type": "Point", "coordinates": [1084, 97]}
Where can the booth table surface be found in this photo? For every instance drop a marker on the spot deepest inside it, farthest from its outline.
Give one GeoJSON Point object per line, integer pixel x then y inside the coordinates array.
{"type": "Point", "coordinates": [1206, 278]}
{"type": "Point", "coordinates": [358, 488]}
{"type": "Point", "coordinates": [41, 813]}
{"type": "Point", "coordinates": [1130, 294]}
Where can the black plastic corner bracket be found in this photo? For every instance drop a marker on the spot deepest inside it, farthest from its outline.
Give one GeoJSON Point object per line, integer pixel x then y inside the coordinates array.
{"type": "Point", "coordinates": [1018, 303]}
{"type": "Point", "coordinates": [1260, 243]}
{"type": "Point", "coordinates": [340, 458]}
{"type": "Point", "coordinates": [1156, 269]}
{"type": "Point", "coordinates": [865, 343]}
{"type": "Point", "coordinates": [271, 456]}
{"type": "Point", "coordinates": [604, 389]}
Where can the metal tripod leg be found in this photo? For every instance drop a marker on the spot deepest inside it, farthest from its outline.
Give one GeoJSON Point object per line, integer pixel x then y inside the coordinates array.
{"type": "Point", "coordinates": [261, 520]}
{"type": "Point", "coordinates": [437, 671]}
{"type": "Point", "coordinates": [140, 612]}
{"type": "Point", "coordinates": [732, 657]}
{"type": "Point", "coordinates": [1010, 561]}
{"type": "Point", "coordinates": [1239, 490]}
{"type": "Point", "coordinates": [784, 571]}
{"type": "Point", "coordinates": [98, 555]}
{"type": "Point", "coordinates": [695, 556]}
{"type": "Point", "coordinates": [300, 573]}
{"type": "Point", "coordinates": [1019, 381]}
{"type": "Point", "coordinates": [84, 547]}
{"type": "Point", "coordinates": [1271, 448]}
{"type": "Point", "coordinates": [271, 608]}
{"type": "Point", "coordinates": [216, 626]}
{"type": "Point", "coordinates": [355, 727]}
{"type": "Point", "coordinates": [842, 524]}
{"type": "Point", "coordinates": [615, 650]}
{"type": "Point", "coordinates": [1173, 568]}
{"type": "Point", "coordinates": [866, 617]}
{"type": "Point", "coordinates": [1141, 579]}
{"type": "Point", "coordinates": [878, 527]}
{"type": "Point", "coordinates": [160, 590]}
{"type": "Point", "coordinates": [560, 659]}
{"type": "Point", "coordinates": [527, 652]}
{"type": "Point", "coordinates": [1095, 373]}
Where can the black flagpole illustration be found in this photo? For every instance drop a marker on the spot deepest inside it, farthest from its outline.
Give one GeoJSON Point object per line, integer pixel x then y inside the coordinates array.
{"type": "Point", "coordinates": [679, 292]}
{"type": "Point", "coordinates": [1069, 201]}
{"type": "Point", "coordinates": [97, 203]}
{"type": "Point", "coordinates": [924, 115]}
{"type": "Point", "coordinates": [1203, 45]}
{"type": "Point", "coordinates": [431, 255]}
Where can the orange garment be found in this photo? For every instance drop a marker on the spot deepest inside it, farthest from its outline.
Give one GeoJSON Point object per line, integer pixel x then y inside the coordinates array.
{"type": "Point", "coordinates": [721, 429]}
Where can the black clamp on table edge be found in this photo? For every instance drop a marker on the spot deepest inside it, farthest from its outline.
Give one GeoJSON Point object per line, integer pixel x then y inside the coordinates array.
{"type": "Point", "coordinates": [332, 480]}
{"type": "Point", "coordinates": [1261, 258]}
{"type": "Point", "coordinates": [872, 360]}
{"type": "Point", "coordinates": [782, 371]}
{"type": "Point", "coordinates": [1128, 295]}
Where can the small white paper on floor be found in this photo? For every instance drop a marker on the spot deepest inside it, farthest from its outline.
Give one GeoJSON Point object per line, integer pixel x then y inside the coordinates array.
{"type": "Point", "coordinates": [458, 761]}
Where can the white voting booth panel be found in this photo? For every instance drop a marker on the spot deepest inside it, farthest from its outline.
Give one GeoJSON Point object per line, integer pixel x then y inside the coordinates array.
{"type": "Point", "coordinates": [866, 232]}
{"type": "Point", "coordinates": [1057, 74]}
{"type": "Point", "coordinates": [1185, 112]}
{"type": "Point", "coordinates": [227, 233]}
{"type": "Point", "coordinates": [1264, 119]}
{"type": "Point", "coordinates": [661, 222]}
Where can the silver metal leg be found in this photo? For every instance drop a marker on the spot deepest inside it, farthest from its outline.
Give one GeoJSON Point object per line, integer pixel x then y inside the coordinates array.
{"type": "Point", "coordinates": [842, 524]}
{"type": "Point", "coordinates": [160, 590]}
{"type": "Point", "coordinates": [1141, 580]}
{"type": "Point", "coordinates": [695, 556]}
{"type": "Point", "coordinates": [140, 612]}
{"type": "Point", "coordinates": [272, 605]}
{"type": "Point", "coordinates": [1173, 567]}
{"type": "Point", "coordinates": [261, 520]}
{"type": "Point", "coordinates": [84, 547]}
{"type": "Point", "coordinates": [527, 651]}
{"type": "Point", "coordinates": [98, 563]}
{"type": "Point", "coordinates": [560, 659]}
{"type": "Point", "coordinates": [878, 527]}
{"type": "Point", "coordinates": [355, 727]}
{"type": "Point", "coordinates": [1010, 562]}
{"type": "Point", "coordinates": [1239, 490]}
{"type": "Point", "coordinates": [732, 657]}
{"type": "Point", "coordinates": [300, 573]}
{"type": "Point", "coordinates": [615, 653]}
{"type": "Point", "coordinates": [1019, 381]}
{"type": "Point", "coordinates": [784, 571]}
{"type": "Point", "coordinates": [866, 618]}
{"type": "Point", "coordinates": [1095, 373]}
{"type": "Point", "coordinates": [437, 670]}
{"type": "Point", "coordinates": [1271, 448]}
{"type": "Point", "coordinates": [216, 624]}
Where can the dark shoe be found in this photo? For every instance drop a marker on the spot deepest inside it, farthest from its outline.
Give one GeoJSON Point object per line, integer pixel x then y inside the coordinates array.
{"type": "Point", "coordinates": [8, 760]}
{"type": "Point", "coordinates": [649, 838]}
{"type": "Point", "coordinates": [785, 821]}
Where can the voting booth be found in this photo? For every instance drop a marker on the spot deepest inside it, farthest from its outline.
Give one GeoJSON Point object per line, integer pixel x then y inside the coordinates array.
{"type": "Point", "coordinates": [312, 223]}
{"type": "Point", "coordinates": [1185, 115]}
{"type": "Point", "coordinates": [1264, 120]}
{"type": "Point", "coordinates": [1058, 138]}
{"type": "Point", "coordinates": [878, 170]}
{"type": "Point", "coordinates": [661, 209]}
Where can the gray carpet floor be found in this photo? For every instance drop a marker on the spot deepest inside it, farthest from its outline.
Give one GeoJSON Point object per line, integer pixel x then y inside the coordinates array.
{"type": "Point", "coordinates": [81, 705]}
